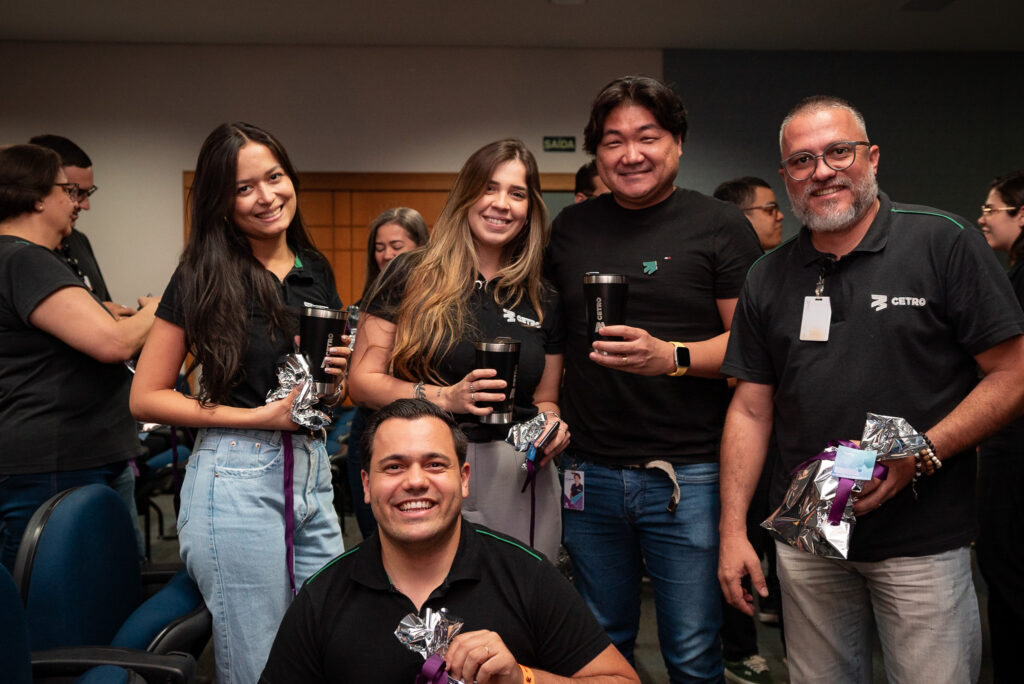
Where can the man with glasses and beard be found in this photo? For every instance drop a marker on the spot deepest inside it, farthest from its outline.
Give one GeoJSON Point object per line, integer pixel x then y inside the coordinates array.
{"type": "Point", "coordinates": [883, 307]}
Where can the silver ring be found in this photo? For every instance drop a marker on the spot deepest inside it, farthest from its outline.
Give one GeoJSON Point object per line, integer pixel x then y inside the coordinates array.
{"type": "Point", "coordinates": [625, 360]}
{"type": "Point", "coordinates": [470, 386]}
{"type": "Point", "coordinates": [472, 396]}
{"type": "Point", "coordinates": [487, 650]}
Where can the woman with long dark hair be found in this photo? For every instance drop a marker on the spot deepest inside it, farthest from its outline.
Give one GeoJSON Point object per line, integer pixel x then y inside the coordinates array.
{"type": "Point", "coordinates": [1000, 466]}
{"type": "Point", "coordinates": [478, 277]}
{"type": "Point", "coordinates": [63, 387]}
{"type": "Point", "coordinates": [248, 267]}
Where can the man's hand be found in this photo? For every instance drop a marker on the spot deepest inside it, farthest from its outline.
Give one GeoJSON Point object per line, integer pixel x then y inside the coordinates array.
{"type": "Point", "coordinates": [638, 353]}
{"type": "Point", "coordinates": [482, 657]}
{"type": "Point", "coordinates": [876, 492]}
{"type": "Point", "coordinates": [118, 310]}
{"type": "Point", "coordinates": [736, 559]}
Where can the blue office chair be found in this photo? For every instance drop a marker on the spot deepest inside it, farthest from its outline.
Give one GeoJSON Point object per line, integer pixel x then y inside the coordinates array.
{"type": "Point", "coordinates": [78, 573]}
{"type": "Point", "coordinates": [20, 666]}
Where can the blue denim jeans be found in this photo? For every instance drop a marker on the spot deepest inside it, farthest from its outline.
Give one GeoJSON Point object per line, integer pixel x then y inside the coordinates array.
{"type": "Point", "coordinates": [231, 532]}
{"type": "Point", "coordinates": [924, 608]}
{"type": "Point", "coordinates": [21, 495]}
{"type": "Point", "coordinates": [625, 525]}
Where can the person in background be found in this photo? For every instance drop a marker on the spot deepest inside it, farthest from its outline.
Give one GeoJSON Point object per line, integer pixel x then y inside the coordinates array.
{"type": "Point", "coordinates": [77, 251]}
{"type": "Point", "coordinates": [63, 383]}
{"type": "Point", "coordinates": [588, 183]}
{"type": "Point", "coordinates": [479, 277]}
{"type": "Point", "coordinates": [757, 200]}
{"type": "Point", "coordinates": [233, 303]}
{"type": "Point", "coordinates": [1000, 466]}
{"type": "Point", "coordinates": [393, 232]}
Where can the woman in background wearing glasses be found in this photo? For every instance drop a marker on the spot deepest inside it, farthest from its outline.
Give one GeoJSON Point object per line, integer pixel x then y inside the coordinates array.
{"type": "Point", "coordinates": [63, 386]}
{"type": "Point", "coordinates": [1000, 466]}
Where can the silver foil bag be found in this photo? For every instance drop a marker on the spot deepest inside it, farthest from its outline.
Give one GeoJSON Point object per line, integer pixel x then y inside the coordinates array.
{"type": "Point", "coordinates": [429, 635]}
{"type": "Point", "coordinates": [293, 371]}
{"type": "Point", "coordinates": [522, 435]}
{"type": "Point", "coordinates": [802, 519]}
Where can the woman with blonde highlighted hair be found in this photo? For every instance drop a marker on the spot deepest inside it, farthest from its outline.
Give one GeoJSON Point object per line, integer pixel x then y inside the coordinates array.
{"type": "Point", "coordinates": [478, 277]}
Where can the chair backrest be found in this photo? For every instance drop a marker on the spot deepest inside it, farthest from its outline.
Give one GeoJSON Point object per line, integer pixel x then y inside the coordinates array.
{"type": "Point", "coordinates": [15, 659]}
{"type": "Point", "coordinates": [78, 568]}
{"type": "Point", "coordinates": [173, 619]}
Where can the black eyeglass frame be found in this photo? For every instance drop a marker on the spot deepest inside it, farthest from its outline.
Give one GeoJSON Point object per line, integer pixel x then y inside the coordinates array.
{"type": "Point", "coordinates": [815, 157]}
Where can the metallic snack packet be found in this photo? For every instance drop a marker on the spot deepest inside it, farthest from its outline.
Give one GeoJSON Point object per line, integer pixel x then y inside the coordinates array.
{"type": "Point", "coordinates": [430, 636]}
{"type": "Point", "coordinates": [805, 520]}
{"type": "Point", "coordinates": [292, 371]}
{"type": "Point", "coordinates": [522, 435]}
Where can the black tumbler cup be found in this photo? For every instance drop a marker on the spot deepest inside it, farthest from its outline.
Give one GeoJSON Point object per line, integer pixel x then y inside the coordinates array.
{"type": "Point", "coordinates": [606, 295]}
{"type": "Point", "coordinates": [319, 329]}
{"type": "Point", "coordinates": [501, 354]}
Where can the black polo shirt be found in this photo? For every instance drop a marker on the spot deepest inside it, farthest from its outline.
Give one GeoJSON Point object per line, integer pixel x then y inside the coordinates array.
{"type": "Point", "coordinates": [539, 335]}
{"type": "Point", "coordinates": [340, 628]}
{"type": "Point", "coordinates": [310, 280]}
{"type": "Point", "coordinates": [60, 409]}
{"type": "Point", "coordinates": [911, 305]}
{"type": "Point", "coordinates": [681, 256]}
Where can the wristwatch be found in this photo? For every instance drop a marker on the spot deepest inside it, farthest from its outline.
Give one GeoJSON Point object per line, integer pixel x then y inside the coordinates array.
{"type": "Point", "coordinates": [682, 354]}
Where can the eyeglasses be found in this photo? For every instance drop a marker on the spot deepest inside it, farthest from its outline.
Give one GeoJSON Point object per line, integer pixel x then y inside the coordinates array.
{"type": "Point", "coordinates": [837, 156]}
{"type": "Point", "coordinates": [86, 194]}
{"type": "Point", "coordinates": [769, 208]}
{"type": "Point", "coordinates": [986, 209]}
{"type": "Point", "coordinates": [71, 189]}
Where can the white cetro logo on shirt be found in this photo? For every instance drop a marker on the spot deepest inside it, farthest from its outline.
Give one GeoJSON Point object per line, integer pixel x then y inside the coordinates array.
{"type": "Point", "coordinates": [881, 301]}
{"type": "Point", "coordinates": [513, 317]}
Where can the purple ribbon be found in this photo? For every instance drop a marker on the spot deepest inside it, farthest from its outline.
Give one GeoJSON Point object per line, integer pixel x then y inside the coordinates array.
{"type": "Point", "coordinates": [835, 511]}
{"type": "Point", "coordinates": [289, 505]}
{"type": "Point", "coordinates": [531, 481]}
{"type": "Point", "coordinates": [432, 671]}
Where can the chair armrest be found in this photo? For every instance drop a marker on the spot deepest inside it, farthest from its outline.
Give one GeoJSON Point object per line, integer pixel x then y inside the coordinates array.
{"type": "Point", "coordinates": [173, 668]}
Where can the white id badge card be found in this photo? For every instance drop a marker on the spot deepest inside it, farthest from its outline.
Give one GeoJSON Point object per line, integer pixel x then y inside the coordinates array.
{"type": "Point", "coordinates": [856, 464]}
{"type": "Point", "coordinates": [817, 318]}
{"type": "Point", "coordinates": [572, 493]}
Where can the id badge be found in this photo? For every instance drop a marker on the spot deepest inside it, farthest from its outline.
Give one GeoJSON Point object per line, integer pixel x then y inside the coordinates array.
{"type": "Point", "coordinates": [816, 320]}
{"type": "Point", "coordinates": [856, 464]}
{"type": "Point", "coordinates": [572, 490]}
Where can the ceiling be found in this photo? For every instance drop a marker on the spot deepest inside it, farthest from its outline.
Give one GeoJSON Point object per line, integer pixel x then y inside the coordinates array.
{"type": "Point", "coordinates": [919, 25]}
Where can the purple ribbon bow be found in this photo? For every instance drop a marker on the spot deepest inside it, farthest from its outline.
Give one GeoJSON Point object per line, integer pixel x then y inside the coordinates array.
{"type": "Point", "coordinates": [835, 512]}
{"type": "Point", "coordinates": [432, 671]}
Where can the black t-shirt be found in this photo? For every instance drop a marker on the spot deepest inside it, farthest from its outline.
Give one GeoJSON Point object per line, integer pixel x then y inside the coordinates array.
{"type": "Point", "coordinates": [60, 409]}
{"type": "Point", "coordinates": [489, 320]}
{"type": "Point", "coordinates": [680, 255]}
{"type": "Point", "coordinates": [78, 251]}
{"type": "Point", "coordinates": [911, 305]}
{"type": "Point", "coordinates": [310, 280]}
{"type": "Point", "coordinates": [341, 626]}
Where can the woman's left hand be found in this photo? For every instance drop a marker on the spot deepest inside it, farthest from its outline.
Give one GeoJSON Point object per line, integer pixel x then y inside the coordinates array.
{"type": "Point", "coordinates": [557, 443]}
{"type": "Point", "coordinates": [336, 361]}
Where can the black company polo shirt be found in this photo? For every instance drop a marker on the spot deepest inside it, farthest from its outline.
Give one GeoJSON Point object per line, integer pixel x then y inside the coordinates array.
{"type": "Point", "coordinates": [340, 628]}
{"type": "Point", "coordinates": [911, 304]}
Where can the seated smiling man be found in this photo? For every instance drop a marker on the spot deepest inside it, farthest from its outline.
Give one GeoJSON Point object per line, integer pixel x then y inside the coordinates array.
{"type": "Point", "coordinates": [522, 621]}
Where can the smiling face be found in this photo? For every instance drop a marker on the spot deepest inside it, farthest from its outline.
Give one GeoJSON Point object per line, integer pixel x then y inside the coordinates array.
{"type": "Point", "coordinates": [390, 241]}
{"type": "Point", "coordinates": [414, 483]}
{"type": "Point", "coordinates": [830, 200]}
{"type": "Point", "coordinates": [1001, 230]}
{"type": "Point", "coordinates": [636, 158]}
{"type": "Point", "coordinates": [265, 200]}
{"type": "Point", "coordinates": [500, 212]}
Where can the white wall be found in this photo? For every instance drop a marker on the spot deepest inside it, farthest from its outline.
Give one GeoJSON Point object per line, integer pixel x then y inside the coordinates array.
{"type": "Point", "coordinates": [142, 111]}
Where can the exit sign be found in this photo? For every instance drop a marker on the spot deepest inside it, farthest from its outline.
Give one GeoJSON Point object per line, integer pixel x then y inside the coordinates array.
{"type": "Point", "coordinates": [559, 143]}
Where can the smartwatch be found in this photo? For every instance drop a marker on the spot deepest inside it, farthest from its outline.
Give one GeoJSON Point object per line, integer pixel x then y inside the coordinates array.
{"type": "Point", "coordinates": [682, 355]}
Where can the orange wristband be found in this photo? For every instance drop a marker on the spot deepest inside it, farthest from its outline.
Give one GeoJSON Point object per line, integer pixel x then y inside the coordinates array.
{"type": "Point", "coordinates": [527, 675]}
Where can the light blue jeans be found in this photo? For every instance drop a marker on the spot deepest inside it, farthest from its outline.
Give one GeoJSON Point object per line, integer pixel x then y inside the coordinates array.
{"type": "Point", "coordinates": [625, 525]}
{"type": "Point", "coordinates": [231, 533]}
{"type": "Point", "coordinates": [925, 609]}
